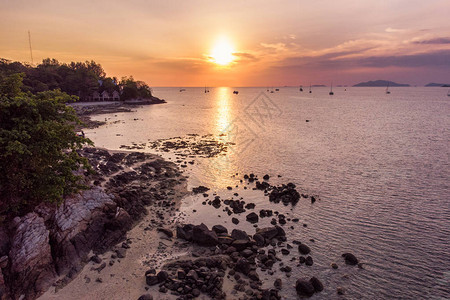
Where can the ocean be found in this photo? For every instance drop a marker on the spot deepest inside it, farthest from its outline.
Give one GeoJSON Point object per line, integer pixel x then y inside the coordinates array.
{"type": "Point", "coordinates": [379, 165]}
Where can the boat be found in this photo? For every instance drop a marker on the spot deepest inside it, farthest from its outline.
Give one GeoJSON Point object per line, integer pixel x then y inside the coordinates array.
{"type": "Point", "coordinates": [387, 89]}
{"type": "Point", "coordinates": [206, 90]}
{"type": "Point", "coordinates": [310, 89]}
{"type": "Point", "coordinates": [277, 90]}
{"type": "Point", "coordinates": [235, 92]}
{"type": "Point", "coordinates": [182, 90]}
{"type": "Point", "coordinates": [331, 91]}
{"type": "Point", "coordinates": [301, 88]}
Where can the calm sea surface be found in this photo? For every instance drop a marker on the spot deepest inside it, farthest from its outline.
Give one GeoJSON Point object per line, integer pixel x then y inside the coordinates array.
{"type": "Point", "coordinates": [379, 163]}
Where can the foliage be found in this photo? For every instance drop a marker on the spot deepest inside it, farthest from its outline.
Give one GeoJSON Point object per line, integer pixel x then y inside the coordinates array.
{"type": "Point", "coordinates": [132, 89]}
{"type": "Point", "coordinates": [81, 79]}
{"type": "Point", "coordinates": [38, 147]}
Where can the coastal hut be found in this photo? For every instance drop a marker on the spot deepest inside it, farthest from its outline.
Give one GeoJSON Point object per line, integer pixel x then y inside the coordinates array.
{"type": "Point", "coordinates": [96, 96]}
{"type": "Point", "coordinates": [116, 96]}
{"type": "Point", "coordinates": [105, 96]}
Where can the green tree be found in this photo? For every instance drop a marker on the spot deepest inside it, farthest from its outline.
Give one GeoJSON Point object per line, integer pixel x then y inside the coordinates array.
{"type": "Point", "coordinates": [38, 149]}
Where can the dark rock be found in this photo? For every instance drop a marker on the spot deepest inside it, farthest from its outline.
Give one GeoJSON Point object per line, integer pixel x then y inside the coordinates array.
{"type": "Point", "coordinates": [268, 232]}
{"type": "Point", "coordinates": [96, 259]}
{"type": "Point", "coordinates": [121, 252]}
{"type": "Point", "coordinates": [266, 177]}
{"type": "Point", "coordinates": [253, 275]}
{"type": "Point", "coordinates": [278, 284]}
{"type": "Point", "coordinates": [243, 266]}
{"type": "Point", "coordinates": [309, 261]}
{"type": "Point", "coordinates": [146, 297]}
{"type": "Point", "coordinates": [200, 189]}
{"type": "Point", "coordinates": [313, 199]}
{"type": "Point", "coordinates": [246, 253]}
{"type": "Point", "coordinates": [239, 235]}
{"type": "Point", "coordinates": [151, 279]}
{"type": "Point", "coordinates": [192, 274]}
{"type": "Point", "coordinates": [302, 259]}
{"type": "Point", "coordinates": [203, 236]}
{"type": "Point", "coordinates": [303, 249]}
{"type": "Point", "coordinates": [350, 259]}
{"type": "Point", "coordinates": [252, 217]}
{"type": "Point", "coordinates": [334, 266]}
{"type": "Point", "coordinates": [240, 244]}
{"type": "Point", "coordinates": [304, 288]}
{"type": "Point", "coordinates": [285, 193]}
{"type": "Point", "coordinates": [250, 205]}
{"type": "Point", "coordinates": [185, 232]}
{"type": "Point", "coordinates": [280, 231]}
{"type": "Point", "coordinates": [259, 239]}
{"type": "Point", "coordinates": [318, 286]}
{"type": "Point", "coordinates": [162, 276]}
{"type": "Point", "coordinates": [219, 229]}
{"type": "Point", "coordinates": [234, 221]}
{"type": "Point", "coordinates": [285, 251]}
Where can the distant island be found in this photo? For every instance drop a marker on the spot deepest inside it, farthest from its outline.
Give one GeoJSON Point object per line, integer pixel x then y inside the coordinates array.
{"type": "Point", "coordinates": [381, 83]}
{"type": "Point", "coordinates": [318, 85]}
{"type": "Point", "coordinates": [432, 84]}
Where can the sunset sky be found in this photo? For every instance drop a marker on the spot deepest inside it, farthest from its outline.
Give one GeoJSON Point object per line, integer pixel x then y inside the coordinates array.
{"type": "Point", "coordinates": [237, 43]}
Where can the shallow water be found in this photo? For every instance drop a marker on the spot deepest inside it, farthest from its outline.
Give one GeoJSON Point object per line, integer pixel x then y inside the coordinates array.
{"type": "Point", "coordinates": [379, 163]}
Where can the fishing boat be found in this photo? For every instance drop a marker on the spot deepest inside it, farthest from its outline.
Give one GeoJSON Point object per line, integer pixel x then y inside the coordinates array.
{"type": "Point", "coordinates": [310, 89]}
{"type": "Point", "coordinates": [331, 91]}
{"type": "Point", "coordinates": [387, 89]}
{"type": "Point", "coordinates": [235, 92]}
{"type": "Point", "coordinates": [277, 90]}
{"type": "Point", "coordinates": [182, 90]}
{"type": "Point", "coordinates": [206, 90]}
{"type": "Point", "coordinates": [301, 88]}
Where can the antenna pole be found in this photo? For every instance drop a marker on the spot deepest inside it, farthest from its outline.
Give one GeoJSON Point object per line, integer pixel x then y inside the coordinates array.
{"type": "Point", "coordinates": [31, 51]}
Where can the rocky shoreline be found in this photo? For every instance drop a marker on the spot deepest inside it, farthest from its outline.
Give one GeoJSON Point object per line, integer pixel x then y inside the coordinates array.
{"type": "Point", "coordinates": [85, 110]}
{"type": "Point", "coordinates": [50, 245]}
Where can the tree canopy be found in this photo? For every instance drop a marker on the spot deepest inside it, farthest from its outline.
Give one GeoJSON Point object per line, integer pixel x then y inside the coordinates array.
{"type": "Point", "coordinates": [80, 79]}
{"type": "Point", "coordinates": [38, 146]}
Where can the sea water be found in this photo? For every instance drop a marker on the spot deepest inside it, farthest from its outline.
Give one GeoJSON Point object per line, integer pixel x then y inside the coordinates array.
{"type": "Point", "coordinates": [378, 163]}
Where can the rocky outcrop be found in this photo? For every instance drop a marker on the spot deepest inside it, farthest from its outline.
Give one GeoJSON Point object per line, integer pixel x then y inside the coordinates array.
{"type": "Point", "coordinates": [30, 256]}
{"type": "Point", "coordinates": [78, 225]}
{"type": "Point", "coordinates": [53, 242]}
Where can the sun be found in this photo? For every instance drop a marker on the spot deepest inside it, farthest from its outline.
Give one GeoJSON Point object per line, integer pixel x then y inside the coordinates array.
{"type": "Point", "coordinates": [222, 53]}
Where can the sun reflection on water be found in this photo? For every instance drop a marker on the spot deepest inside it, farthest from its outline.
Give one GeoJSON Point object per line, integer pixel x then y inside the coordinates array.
{"type": "Point", "coordinates": [220, 169]}
{"type": "Point", "coordinates": [223, 118]}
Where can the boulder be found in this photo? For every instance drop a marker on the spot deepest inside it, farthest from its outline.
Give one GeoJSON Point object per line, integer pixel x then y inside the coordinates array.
{"type": "Point", "coordinates": [252, 217]}
{"type": "Point", "coordinates": [350, 259]}
{"type": "Point", "coordinates": [243, 266]}
{"type": "Point", "coordinates": [185, 232]}
{"type": "Point", "coordinates": [259, 239]}
{"type": "Point", "coordinates": [203, 236]}
{"type": "Point", "coordinates": [239, 235]}
{"type": "Point", "coordinates": [304, 288]}
{"type": "Point", "coordinates": [219, 229]}
{"type": "Point", "coordinates": [303, 249]}
{"type": "Point", "coordinates": [317, 284]}
{"type": "Point", "coordinates": [268, 232]}
{"type": "Point", "coordinates": [162, 276]}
